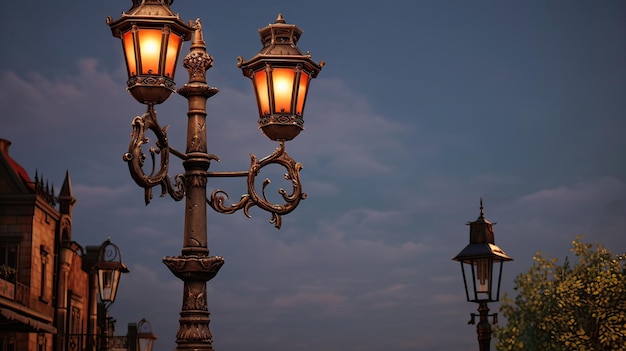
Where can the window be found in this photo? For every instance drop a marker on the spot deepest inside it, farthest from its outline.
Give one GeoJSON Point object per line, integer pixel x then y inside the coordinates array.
{"type": "Point", "coordinates": [8, 254]}
{"type": "Point", "coordinates": [7, 342]}
{"type": "Point", "coordinates": [8, 261]}
{"type": "Point", "coordinates": [44, 273]}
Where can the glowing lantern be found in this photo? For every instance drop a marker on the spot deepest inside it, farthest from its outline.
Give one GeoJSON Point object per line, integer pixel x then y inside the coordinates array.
{"type": "Point", "coordinates": [152, 36]}
{"type": "Point", "coordinates": [281, 75]}
{"type": "Point", "coordinates": [479, 257]}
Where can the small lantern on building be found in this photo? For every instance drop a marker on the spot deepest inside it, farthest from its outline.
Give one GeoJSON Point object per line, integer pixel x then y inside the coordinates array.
{"type": "Point", "coordinates": [145, 336]}
{"type": "Point", "coordinates": [281, 75]}
{"type": "Point", "coordinates": [109, 268]}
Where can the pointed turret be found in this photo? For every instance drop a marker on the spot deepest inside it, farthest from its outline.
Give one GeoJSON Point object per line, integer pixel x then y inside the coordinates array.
{"type": "Point", "coordinates": [66, 198]}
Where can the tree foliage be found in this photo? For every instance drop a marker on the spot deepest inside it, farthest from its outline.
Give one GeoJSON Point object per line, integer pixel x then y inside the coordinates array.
{"type": "Point", "coordinates": [559, 307]}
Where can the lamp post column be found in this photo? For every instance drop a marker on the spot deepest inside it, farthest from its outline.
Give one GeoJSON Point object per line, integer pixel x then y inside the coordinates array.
{"type": "Point", "coordinates": [195, 267]}
{"type": "Point", "coordinates": [483, 328]}
{"type": "Point", "coordinates": [196, 164]}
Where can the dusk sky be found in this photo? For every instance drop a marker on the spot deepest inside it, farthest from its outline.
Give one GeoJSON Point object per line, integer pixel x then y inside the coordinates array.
{"type": "Point", "coordinates": [423, 108]}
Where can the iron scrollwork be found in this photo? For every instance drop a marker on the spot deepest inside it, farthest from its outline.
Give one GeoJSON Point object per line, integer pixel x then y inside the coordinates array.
{"type": "Point", "coordinates": [218, 197]}
{"type": "Point", "coordinates": [135, 157]}
{"type": "Point", "coordinates": [158, 175]}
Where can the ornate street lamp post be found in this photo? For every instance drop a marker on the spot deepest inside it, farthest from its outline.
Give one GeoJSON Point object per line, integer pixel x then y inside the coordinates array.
{"type": "Point", "coordinates": [151, 37]}
{"type": "Point", "coordinates": [478, 259]}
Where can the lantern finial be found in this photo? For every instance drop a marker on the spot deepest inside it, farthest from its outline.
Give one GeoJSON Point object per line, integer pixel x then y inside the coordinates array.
{"type": "Point", "coordinates": [280, 19]}
{"type": "Point", "coordinates": [198, 37]}
{"type": "Point", "coordinates": [481, 207]}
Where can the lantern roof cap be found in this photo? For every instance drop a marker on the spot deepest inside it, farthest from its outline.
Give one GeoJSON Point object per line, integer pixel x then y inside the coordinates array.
{"type": "Point", "coordinates": [280, 46]}
{"type": "Point", "coordinates": [481, 230]}
{"type": "Point", "coordinates": [106, 256]}
{"type": "Point", "coordinates": [154, 13]}
{"type": "Point", "coordinates": [144, 329]}
{"type": "Point", "coordinates": [280, 38]}
{"type": "Point", "coordinates": [475, 251]}
{"type": "Point", "coordinates": [482, 241]}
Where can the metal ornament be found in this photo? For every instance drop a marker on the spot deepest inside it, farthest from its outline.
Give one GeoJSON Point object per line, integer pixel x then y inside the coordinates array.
{"type": "Point", "coordinates": [252, 198]}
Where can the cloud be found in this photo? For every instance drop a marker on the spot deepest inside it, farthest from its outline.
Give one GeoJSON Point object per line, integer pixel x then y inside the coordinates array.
{"type": "Point", "coordinates": [140, 291]}
{"type": "Point", "coordinates": [592, 206]}
{"type": "Point", "coordinates": [345, 134]}
{"type": "Point", "coordinates": [38, 102]}
{"type": "Point", "coordinates": [608, 192]}
{"type": "Point", "coordinates": [304, 299]}
{"type": "Point", "coordinates": [91, 195]}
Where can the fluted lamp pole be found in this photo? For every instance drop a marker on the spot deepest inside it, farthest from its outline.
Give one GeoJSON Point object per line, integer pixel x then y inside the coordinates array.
{"type": "Point", "coordinates": [477, 260]}
{"type": "Point", "coordinates": [151, 37]}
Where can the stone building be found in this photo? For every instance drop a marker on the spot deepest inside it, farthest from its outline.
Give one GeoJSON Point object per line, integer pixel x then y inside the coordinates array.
{"type": "Point", "coordinates": [48, 289]}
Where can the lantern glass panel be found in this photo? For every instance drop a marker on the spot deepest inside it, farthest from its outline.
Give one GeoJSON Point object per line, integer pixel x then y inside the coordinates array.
{"type": "Point", "coordinates": [129, 52]}
{"type": "Point", "coordinates": [173, 47]}
{"type": "Point", "coordinates": [107, 284]}
{"type": "Point", "coordinates": [283, 82]}
{"type": "Point", "coordinates": [262, 92]}
{"type": "Point", "coordinates": [150, 50]}
{"type": "Point", "coordinates": [145, 343]}
{"type": "Point", "coordinates": [482, 274]}
{"type": "Point", "coordinates": [302, 89]}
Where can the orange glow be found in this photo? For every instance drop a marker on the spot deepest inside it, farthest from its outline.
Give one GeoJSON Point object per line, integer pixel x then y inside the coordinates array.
{"type": "Point", "coordinates": [483, 274]}
{"type": "Point", "coordinates": [129, 52]}
{"type": "Point", "coordinates": [303, 87]}
{"type": "Point", "coordinates": [260, 85]}
{"type": "Point", "coordinates": [173, 46]}
{"type": "Point", "coordinates": [150, 50]}
{"type": "Point", "coordinates": [283, 79]}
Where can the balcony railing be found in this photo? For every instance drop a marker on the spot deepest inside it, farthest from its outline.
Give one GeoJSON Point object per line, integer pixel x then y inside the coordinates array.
{"type": "Point", "coordinates": [7, 289]}
{"type": "Point", "coordinates": [81, 342]}
{"type": "Point", "coordinates": [17, 292]}
{"type": "Point", "coordinates": [22, 294]}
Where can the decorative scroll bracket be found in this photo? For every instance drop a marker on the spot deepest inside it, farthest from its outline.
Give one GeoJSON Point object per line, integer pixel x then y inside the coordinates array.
{"type": "Point", "coordinates": [473, 316]}
{"type": "Point", "coordinates": [279, 156]}
{"type": "Point", "coordinates": [158, 175]}
{"type": "Point", "coordinates": [135, 157]}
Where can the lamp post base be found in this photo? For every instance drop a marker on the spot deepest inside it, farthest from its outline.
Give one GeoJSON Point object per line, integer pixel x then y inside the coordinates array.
{"type": "Point", "coordinates": [194, 332]}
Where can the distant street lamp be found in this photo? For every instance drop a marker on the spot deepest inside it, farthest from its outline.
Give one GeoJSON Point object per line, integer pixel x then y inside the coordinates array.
{"type": "Point", "coordinates": [145, 336]}
{"type": "Point", "coordinates": [152, 36]}
{"type": "Point", "coordinates": [478, 258]}
{"type": "Point", "coordinates": [109, 269]}
{"type": "Point", "coordinates": [105, 267]}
